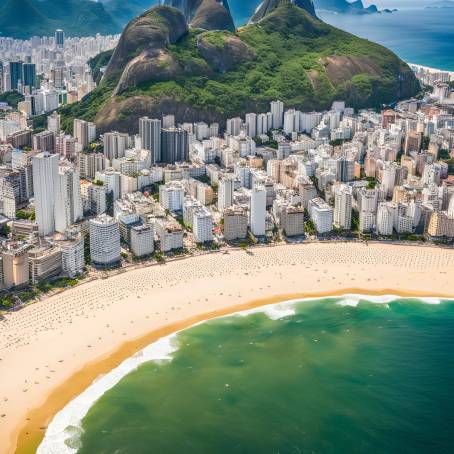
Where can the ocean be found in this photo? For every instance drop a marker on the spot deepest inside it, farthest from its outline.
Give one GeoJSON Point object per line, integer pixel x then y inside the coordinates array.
{"type": "Point", "coordinates": [349, 374]}
{"type": "Point", "coordinates": [421, 36]}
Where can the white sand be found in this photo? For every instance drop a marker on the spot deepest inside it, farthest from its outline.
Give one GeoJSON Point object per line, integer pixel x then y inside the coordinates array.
{"type": "Point", "coordinates": [45, 344]}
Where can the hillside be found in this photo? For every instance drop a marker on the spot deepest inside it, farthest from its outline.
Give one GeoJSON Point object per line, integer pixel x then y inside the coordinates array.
{"type": "Point", "coordinates": [26, 18]}
{"type": "Point", "coordinates": [162, 66]}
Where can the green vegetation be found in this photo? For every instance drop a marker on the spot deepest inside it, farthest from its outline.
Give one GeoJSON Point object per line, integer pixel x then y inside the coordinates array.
{"type": "Point", "coordinates": [96, 63]}
{"type": "Point", "coordinates": [29, 293]}
{"type": "Point", "coordinates": [39, 123]}
{"type": "Point", "coordinates": [4, 230]}
{"type": "Point", "coordinates": [443, 154]}
{"type": "Point", "coordinates": [203, 178]}
{"type": "Point", "coordinates": [25, 18]}
{"type": "Point", "coordinates": [371, 182]}
{"type": "Point", "coordinates": [425, 142]}
{"type": "Point", "coordinates": [309, 228]}
{"type": "Point", "coordinates": [336, 143]}
{"type": "Point", "coordinates": [295, 58]}
{"type": "Point", "coordinates": [450, 163]}
{"type": "Point", "coordinates": [28, 215]}
{"type": "Point", "coordinates": [12, 98]}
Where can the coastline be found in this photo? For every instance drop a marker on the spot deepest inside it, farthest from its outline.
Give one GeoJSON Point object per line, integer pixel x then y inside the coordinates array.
{"type": "Point", "coordinates": [398, 270]}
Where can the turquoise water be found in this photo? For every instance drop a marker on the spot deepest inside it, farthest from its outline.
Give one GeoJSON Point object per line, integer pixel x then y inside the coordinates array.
{"type": "Point", "coordinates": [421, 36]}
{"type": "Point", "coordinates": [323, 376]}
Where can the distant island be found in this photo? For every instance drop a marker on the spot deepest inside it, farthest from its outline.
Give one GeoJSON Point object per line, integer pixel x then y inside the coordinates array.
{"type": "Point", "coordinates": [346, 7]}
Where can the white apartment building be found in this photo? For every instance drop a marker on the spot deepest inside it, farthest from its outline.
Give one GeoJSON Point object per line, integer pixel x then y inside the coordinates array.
{"type": "Point", "coordinates": [72, 256]}
{"type": "Point", "coordinates": [142, 240]}
{"type": "Point", "coordinates": [171, 196]}
{"type": "Point", "coordinates": [385, 218]}
{"type": "Point", "coordinates": [115, 145]}
{"type": "Point", "coordinates": [68, 203]}
{"type": "Point", "coordinates": [321, 215]}
{"type": "Point", "coordinates": [225, 192]}
{"type": "Point", "coordinates": [104, 241]}
{"type": "Point", "coordinates": [277, 112]}
{"type": "Point", "coordinates": [45, 174]}
{"type": "Point", "coordinates": [343, 207]}
{"type": "Point", "coordinates": [97, 202]}
{"type": "Point", "coordinates": [258, 211]}
{"type": "Point", "coordinates": [367, 207]}
{"type": "Point", "coordinates": [170, 235]}
{"type": "Point", "coordinates": [202, 225]}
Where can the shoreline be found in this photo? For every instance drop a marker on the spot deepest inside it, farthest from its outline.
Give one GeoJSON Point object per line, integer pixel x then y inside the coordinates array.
{"type": "Point", "coordinates": [61, 344]}
{"type": "Point", "coordinates": [81, 380]}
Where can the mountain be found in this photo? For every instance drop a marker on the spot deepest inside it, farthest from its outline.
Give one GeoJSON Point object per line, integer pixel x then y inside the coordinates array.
{"type": "Point", "coordinates": [163, 66]}
{"type": "Point", "coordinates": [206, 14]}
{"type": "Point", "coordinates": [26, 18]}
{"type": "Point", "coordinates": [269, 5]}
{"type": "Point", "coordinates": [345, 7]}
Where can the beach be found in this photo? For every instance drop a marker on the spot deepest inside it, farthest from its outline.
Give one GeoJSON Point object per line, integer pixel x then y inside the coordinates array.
{"type": "Point", "coordinates": [52, 350]}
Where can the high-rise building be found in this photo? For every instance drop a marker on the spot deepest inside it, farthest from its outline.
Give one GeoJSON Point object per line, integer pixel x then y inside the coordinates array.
{"type": "Point", "coordinates": [142, 240]}
{"type": "Point", "coordinates": [115, 145]}
{"type": "Point", "coordinates": [59, 39]}
{"type": "Point", "coordinates": [44, 141]}
{"type": "Point", "coordinates": [168, 121]}
{"type": "Point", "coordinates": [202, 225]}
{"type": "Point", "coordinates": [171, 196]}
{"type": "Point", "coordinates": [16, 74]}
{"type": "Point", "coordinates": [235, 223]}
{"type": "Point", "coordinates": [45, 173]}
{"type": "Point", "coordinates": [90, 163]}
{"type": "Point", "coordinates": [343, 207]}
{"type": "Point", "coordinates": [292, 220]}
{"type": "Point", "coordinates": [277, 112]}
{"type": "Point", "coordinates": [84, 132]}
{"type": "Point", "coordinates": [385, 218]}
{"type": "Point", "coordinates": [258, 210]}
{"type": "Point", "coordinates": [29, 75]}
{"type": "Point", "coordinates": [225, 192]}
{"type": "Point", "coordinates": [345, 169]}
{"type": "Point", "coordinates": [68, 204]}
{"type": "Point", "coordinates": [150, 135]}
{"type": "Point", "coordinates": [367, 207]}
{"type": "Point", "coordinates": [72, 255]}
{"type": "Point", "coordinates": [262, 124]}
{"type": "Point", "coordinates": [233, 126]}
{"type": "Point", "coordinates": [104, 242]}
{"type": "Point", "coordinates": [251, 124]}
{"type": "Point", "coordinates": [321, 215]}
{"type": "Point", "coordinates": [412, 142]}
{"type": "Point", "coordinates": [53, 123]}
{"type": "Point", "coordinates": [175, 145]}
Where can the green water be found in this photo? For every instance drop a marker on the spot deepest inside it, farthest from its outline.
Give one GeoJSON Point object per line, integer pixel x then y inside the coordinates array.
{"type": "Point", "coordinates": [375, 378]}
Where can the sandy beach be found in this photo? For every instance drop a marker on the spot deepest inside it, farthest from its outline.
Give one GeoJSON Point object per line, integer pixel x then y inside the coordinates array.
{"type": "Point", "coordinates": [52, 350]}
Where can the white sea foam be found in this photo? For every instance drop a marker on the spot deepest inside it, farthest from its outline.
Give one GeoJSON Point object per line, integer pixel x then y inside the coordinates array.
{"type": "Point", "coordinates": [63, 433]}
{"type": "Point", "coordinates": [354, 299]}
{"type": "Point", "coordinates": [273, 311]}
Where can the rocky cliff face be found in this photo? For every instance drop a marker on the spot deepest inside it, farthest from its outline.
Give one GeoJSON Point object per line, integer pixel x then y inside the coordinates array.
{"type": "Point", "coordinates": [267, 6]}
{"type": "Point", "coordinates": [205, 14]}
{"type": "Point", "coordinates": [162, 65]}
